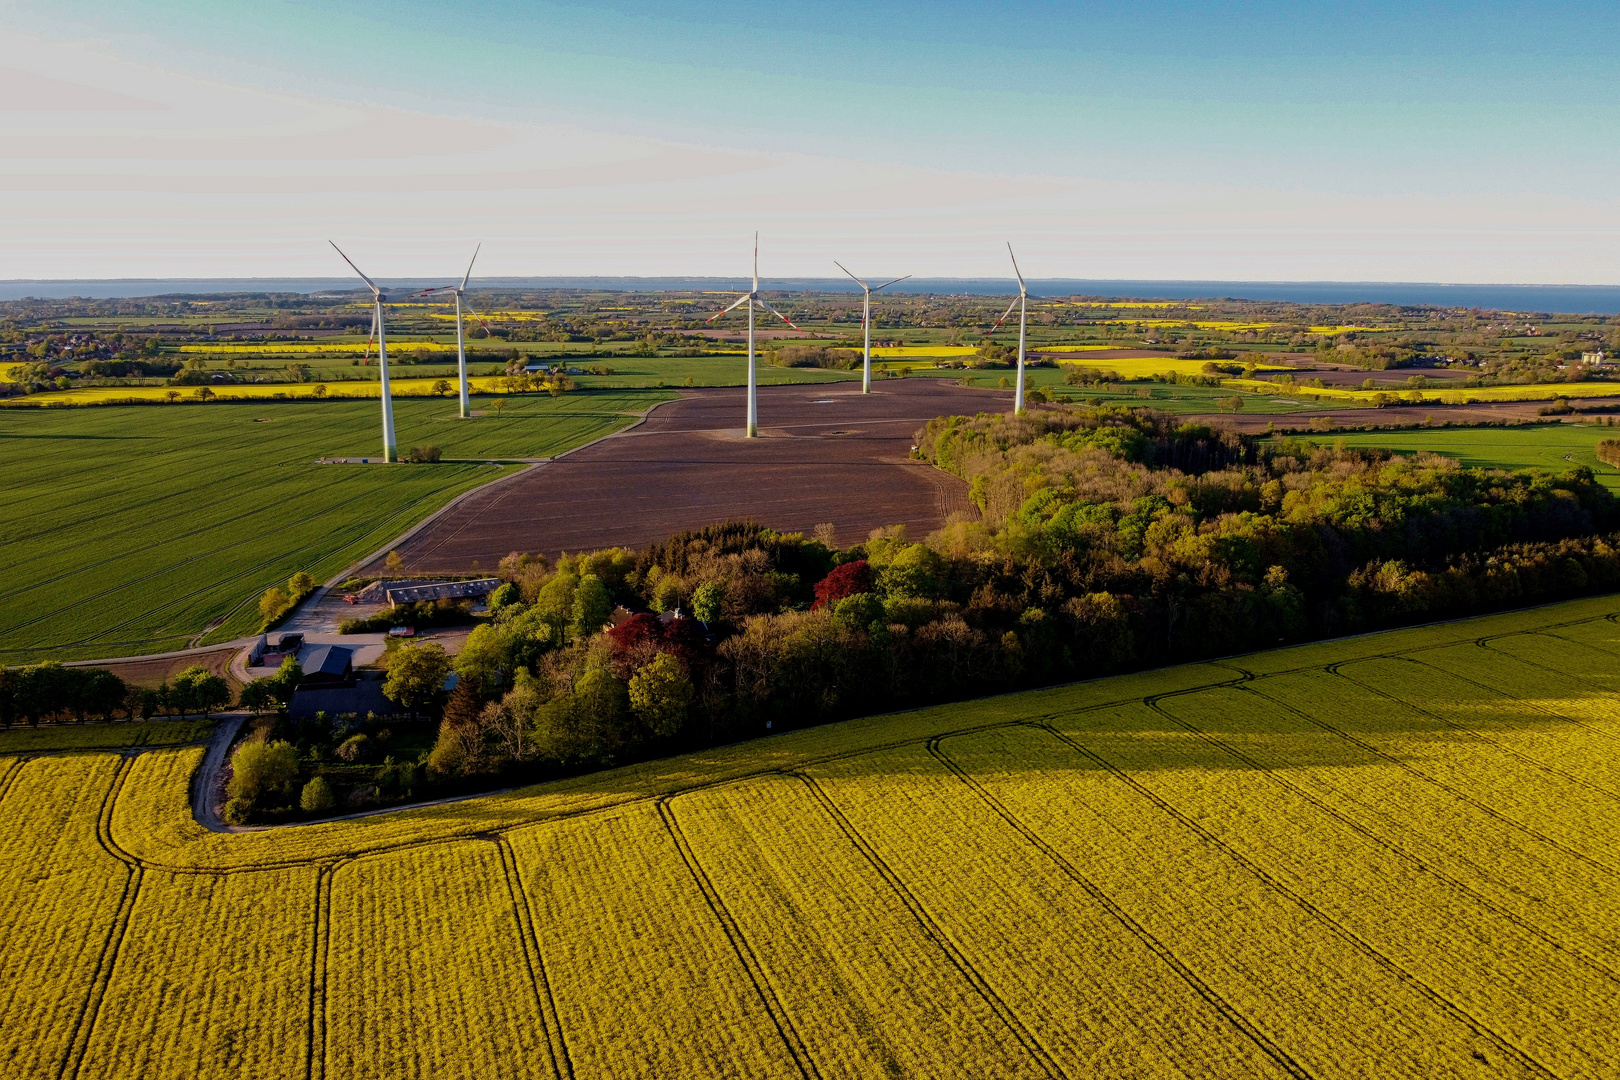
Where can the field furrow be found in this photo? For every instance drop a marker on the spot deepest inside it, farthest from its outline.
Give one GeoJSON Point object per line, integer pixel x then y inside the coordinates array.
{"type": "Point", "coordinates": [63, 893]}
{"type": "Point", "coordinates": [1557, 654]}
{"type": "Point", "coordinates": [1332, 1003]}
{"type": "Point", "coordinates": [1566, 681]}
{"type": "Point", "coordinates": [646, 981]}
{"type": "Point", "coordinates": [425, 970]}
{"type": "Point", "coordinates": [230, 954]}
{"type": "Point", "coordinates": [1100, 995]}
{"type": "Point", "coordinates": [1498, 970]}
{"type": "Point", "coordinates": [1541, 771]}
{"type": "Point", "coordinates": [850, 963]}
{"type": "Point", "coordinates": [1512, 867]}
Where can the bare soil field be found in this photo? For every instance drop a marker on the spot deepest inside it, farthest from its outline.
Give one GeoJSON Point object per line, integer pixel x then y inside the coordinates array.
{"type": "Point", "coordinates": [825, 454]}
{"type": "Point", "coordinates": [156, 671]}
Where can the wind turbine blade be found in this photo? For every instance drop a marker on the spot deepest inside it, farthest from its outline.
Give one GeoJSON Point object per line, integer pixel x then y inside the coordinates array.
{"type": "Point", "coordinates": [778, 314]}
{"type": "Point", "coordinates": [756, 260]}
{"type": "Point", "coordinates": [373, 336]}
{"type": "Point", "coordinates": [741, 300]}
{"type": "Point", "coordinates": [886, 284]}
{"type": "Point", "coordinates": [355, 268]}
{"type": "Point", "coordinates": [469, 309]}
{"type": "Point", "coordinates": [857, 280]}
{"type": "Point", "coordinates": [1004, 315]}
{"type": "Point", "coordinates": [470, 262]}
{"type": "Point", "coordinates": [430, 292]}
{"type": "Point", "coordinates": [1014, 259]}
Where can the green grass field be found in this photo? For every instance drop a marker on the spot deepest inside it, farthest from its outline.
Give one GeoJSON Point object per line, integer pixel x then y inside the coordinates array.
{"type": "Point", "coordinates": [102, 736]}
{"type": "Point", "coordinates": [1552, 447]}
{"type": "Point", "coordinates": [132, 530]}
{"type": "Point", "coordinates": [1391, 856]}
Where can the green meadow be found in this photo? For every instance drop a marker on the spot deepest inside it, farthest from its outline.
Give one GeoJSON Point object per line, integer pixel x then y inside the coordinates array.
{"type": "Point", "coordinates": [132, 530]}
{"type": "Point", "coordinates": [1552, 447]}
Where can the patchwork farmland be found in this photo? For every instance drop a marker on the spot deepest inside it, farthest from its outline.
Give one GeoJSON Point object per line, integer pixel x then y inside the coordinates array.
{"type": "Point", "coordinates": [1387, 856]}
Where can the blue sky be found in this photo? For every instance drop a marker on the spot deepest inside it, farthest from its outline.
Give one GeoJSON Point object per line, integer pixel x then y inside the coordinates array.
{"type": "Point", "coordinates": [1302, 140]}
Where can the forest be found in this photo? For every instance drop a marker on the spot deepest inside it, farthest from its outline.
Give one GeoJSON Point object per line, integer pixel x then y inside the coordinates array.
{"type": "Point", "coordinates": [1109, 540]}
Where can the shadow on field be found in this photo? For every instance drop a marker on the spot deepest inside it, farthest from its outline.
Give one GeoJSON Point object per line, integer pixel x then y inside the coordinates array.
{"type": "Point", "coordinates": [1378, 713]}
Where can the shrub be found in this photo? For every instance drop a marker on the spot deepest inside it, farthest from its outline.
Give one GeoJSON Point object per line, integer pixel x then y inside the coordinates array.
{"type": "Point", "coordinates": [261, 769]}
{"type": "Point", "coordinates": [1608, 452]}
{"type": "Point", "coordinates": [422, 455]}
{"type": "Point", "coordinates": [354, 748]}
{"type": "Point", "coordinates": [317, 796]}
{"type": "Point", "coordinates": [237, 812]}
{"type": "Point", "coordinates": [799, 356]}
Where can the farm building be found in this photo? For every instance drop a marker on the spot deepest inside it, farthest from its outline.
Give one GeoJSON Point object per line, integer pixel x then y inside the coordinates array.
{"type": "Point", "coordinates": [359, 694]}
{"type": "Point", "coordinates": [328, 664]}
{"type": "Point", "coordinates": [442, 590]}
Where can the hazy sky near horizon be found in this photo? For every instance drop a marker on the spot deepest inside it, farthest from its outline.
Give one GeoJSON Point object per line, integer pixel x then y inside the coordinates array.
{"type": "Point", "coordinates": [1280, 141]}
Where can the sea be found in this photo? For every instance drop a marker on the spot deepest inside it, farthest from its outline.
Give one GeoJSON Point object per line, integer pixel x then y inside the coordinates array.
{"type": "Point", "coordinates": [1567, 299]}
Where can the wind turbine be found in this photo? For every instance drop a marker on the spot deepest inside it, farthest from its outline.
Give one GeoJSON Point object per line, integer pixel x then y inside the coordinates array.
{"type": "Point", "coordinates": [1020, 304]}
{"type": "Point", "coordinates": [866, 319]}
{"type": "Point", "coordinates": [461, 343]}
{"type": "Point", "coordinates": [377, 327]}
{"type": "Point", "coordinates": [753, 296]}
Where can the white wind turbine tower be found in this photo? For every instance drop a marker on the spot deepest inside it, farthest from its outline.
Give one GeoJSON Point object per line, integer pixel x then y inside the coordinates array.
{"type": "Point", "coordinates": [377, 326]}
{"type": "Point", "coordinates": [866, 319]}
{"type": "Point", "coordinates": [751, 298]}
{"type": "Point", "coordinates": [1020, 304]}
{"type": "Point", "coordinates": [461, 342]}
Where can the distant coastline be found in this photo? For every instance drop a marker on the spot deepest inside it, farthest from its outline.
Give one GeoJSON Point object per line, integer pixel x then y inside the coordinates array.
{"type": "Point", "coordinates": [1576, 299]}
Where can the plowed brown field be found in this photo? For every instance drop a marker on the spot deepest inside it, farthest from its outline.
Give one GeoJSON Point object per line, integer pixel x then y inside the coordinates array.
{"type": "Point", "coordinates": [825, 454]}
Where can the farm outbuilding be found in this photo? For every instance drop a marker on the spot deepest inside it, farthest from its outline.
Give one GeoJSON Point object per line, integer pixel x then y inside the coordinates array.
{"type": "Point", "coordinates": [442, 590]}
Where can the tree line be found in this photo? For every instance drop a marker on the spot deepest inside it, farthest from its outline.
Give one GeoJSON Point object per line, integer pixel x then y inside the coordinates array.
{"type": "Point", "coordinates": [1108, 539]}
{"type": "Point", "coordinates": [42, 693]}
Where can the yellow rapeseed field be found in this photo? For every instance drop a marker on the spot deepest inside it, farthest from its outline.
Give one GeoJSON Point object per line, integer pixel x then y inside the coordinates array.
{"type": "Point", "coordinates": [1460, 396]}
{"type": "Point", "coordinates": [397, 387]}
{"type": "Point", "coordinates": [1388, 856]}
{"type": "Point", "coordinates": [1148, 367]}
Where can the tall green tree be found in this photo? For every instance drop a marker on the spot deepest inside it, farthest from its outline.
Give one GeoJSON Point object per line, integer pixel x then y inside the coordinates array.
{"type": "Point", "coordinates": [416, 674]}
{"type": "Point", "coordinates": [593, 606]}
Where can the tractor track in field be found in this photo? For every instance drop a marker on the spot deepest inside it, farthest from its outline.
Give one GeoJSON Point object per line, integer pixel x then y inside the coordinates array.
{"type": "Point", "coordinates": [320, 952]}
{"type": "Point", "coordinates": [1506, 751]}
{"type": "Point", "coordinates": [758, 977]}
{"type": "Point", "coordinates": [1422, 864]}
{"type": "Point", "coordinates": [545, 1002]}
{"type": "Point", "coordinates": [1226, 1009]}
{"type": "Point", "coordinates": [112, 944]}
{"type": "Point", "coordinates": [933, 931]}
{"type": "Point", "coordinates": [1359, 944]}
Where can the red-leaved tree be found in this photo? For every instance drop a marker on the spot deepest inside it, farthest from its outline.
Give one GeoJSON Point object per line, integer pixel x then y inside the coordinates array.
{"type": "Point", "coordinates": [847, 580]}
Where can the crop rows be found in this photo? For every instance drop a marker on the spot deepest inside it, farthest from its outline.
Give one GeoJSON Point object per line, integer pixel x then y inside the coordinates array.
{"type": "Point", "coordinates": [1376, 867]}
{"type": "Point", "coordinates": [35, 740]}
{"type": "Point", "coordinates": [173, 560]}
